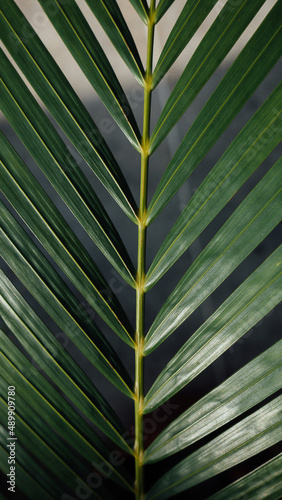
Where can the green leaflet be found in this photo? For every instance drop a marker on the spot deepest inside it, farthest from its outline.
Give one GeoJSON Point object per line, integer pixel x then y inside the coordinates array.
{"type": "Point", "coordinates": [53, 157]}
{"type": "Point", "coordinates": [207, 57]}
{"type": "Point", "coordinates": [32, 375]}
{"type": "Point", "coordinates": [141, 8]}
{"type": "Point", "coordinates": [252, 300]}
{"type": "Point", "coordinates": [93, 292]}
{"type": "Point", "coordinates": [255, 217]}
{"type": "Point", "coordinates": [264, 482]}
{"type": "Point", "coordinates": [193, 14]}
{"type": "Point", "coordinates": [247, 72]}
{"type": "Point", "coordinates": [59, 97]}
{"type": "Point", "coordinates": [252, 145]}
{"type": "Point", "coordinates": [111, 19]}
{"type": "Point", "coordinates": [61, 476]}
{"type": "Point", "coordinates": [66, 249]}
{"type": "Point", "coordinates": [52, 440]}
{"type": "Point", "coordinates": [88, 53]}
{"type": "Point", "coordinates": [255, 433]}
{"type": "Point", "coordinates": [54, 361]}
{"type": "Point", "coordinates": [162, 7]}
{"type": "Point", "coordinates": [252, 384]}
{"type": "Point", "coordinates": [52, 407]}
{"type": "Point", "coordinates": [44, 283]}
{"type": "Point", "coordinates": [45, 220]}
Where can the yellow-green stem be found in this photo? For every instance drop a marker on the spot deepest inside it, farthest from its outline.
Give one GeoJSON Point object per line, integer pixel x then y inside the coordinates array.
{"type": "Point", "coordinates": [140, 294]}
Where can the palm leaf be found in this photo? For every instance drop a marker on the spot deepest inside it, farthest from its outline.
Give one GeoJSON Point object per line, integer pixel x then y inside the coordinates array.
{"type": "Point", "coordinates": [29, 486]}
{"type": "Point", "coordinates": [48, 402]}
{"type": "Point", "coordinates": [67, 432]}
{"type": "Point", "coordinates": [55, 91]}
{"type": "Point", "coordinates": [110, 17]}
{"type": "Point", "coordinates": [238, 314]}
{"type": "Point", "coordinates": [53, 441]}
{"type": "Point", "coordinates": [91, 285]}
{"type": "Point", "coordinates": [234, 90]}
{"type": "Point", "coordinates": [249, 386]}
{"type": "Point", "coordinates": [162, 7]}
{"type": "Point", "coordinates": [85, 48]}
{"type": "Point", "coordinates": [203, 62]}
{"type": "Point", "coordinates": [29, 375]}
{"type": "Point", "coordinates": [45, 284]}
{"type": "Point", "coordinates": [266, 480]}
{"type": "Point", "coordinates": [253, 220]}
{"type": "Point", "coordinates": [71, 184]}
{"type": "Point", "coordinates": [191, 17]}
{"type": "Point", "coordinates": [48, 353]}
{"type": "Point", "coordinates": [141, 8]}
{"type": "Point", "coordinates": [57, 468]}
{"type": "Point", "coordinates": [252, 145]}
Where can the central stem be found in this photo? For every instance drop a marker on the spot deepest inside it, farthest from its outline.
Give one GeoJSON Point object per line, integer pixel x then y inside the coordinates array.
{"type": "Point", "coordinates": [141, 273]}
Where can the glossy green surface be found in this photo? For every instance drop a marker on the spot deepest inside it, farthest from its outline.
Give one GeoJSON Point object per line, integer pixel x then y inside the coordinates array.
{"type": "Point", "coordinates": [53, 157]}
{"type": "Point", "coordinates": [53, 295]}
{"type": "Point", "coordinates": [52, 358]}
{"type": "Point", "coordinates": [44, 219]}
{"type": "Point", "coordinates": [264, 482]}
{"type": "Point", "coordinates": [41, 428]}
{"type": "Point", "coordinates": [29, 486]}
{"type": "Point", "coordinates": [111, 19]}
{"type": "Point", "coordinates": [91, 289]}
{"type": "Point", "coordinates": [255, 433]}
{"type": "Point", "coordinates": [251, 222]}
{"type": "Point", "coordinates": [252, 300]}
{"type": "Point", "coordinates": [249, 386]}
{"type": "Point", "coordinates": [51, 406]}
{"type": "Point", "coordinates": [252, 145]}
{"type": "Point", "coordinates": [77, 35]}
{"type": "Point", "coordinates": [246, 73]}
{"type": "Point", "coordinates": [45, 284]}
{"type": "Point", "coordinates": [142, 8]}
{"type": "Point", "coordinates": [190, 19]}
{"type": "Point", "coordinates": [51, 85]}
{"type": "Point", "coordinates": [58, 475]}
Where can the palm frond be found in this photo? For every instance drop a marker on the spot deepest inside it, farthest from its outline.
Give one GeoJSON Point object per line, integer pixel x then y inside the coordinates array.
{"type": "Point", "coordinates": [59, 97]}
{"type": "Point", "coordinates": [66, 429]}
